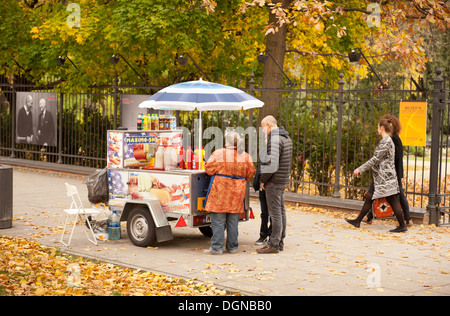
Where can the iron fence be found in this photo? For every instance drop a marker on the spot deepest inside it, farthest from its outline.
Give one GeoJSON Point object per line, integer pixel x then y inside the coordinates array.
{"type": "Point", "coordinates": [334, 127]}
{"type": "Point", "coordinates": [439, 188]}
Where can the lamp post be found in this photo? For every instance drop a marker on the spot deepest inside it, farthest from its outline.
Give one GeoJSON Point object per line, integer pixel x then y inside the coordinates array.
{"type": "Point", "coordinates": [182, 60]}
{"type": "Point", "coordinates": [61, 60]}
{"type": "Point", "coordinates": [354, 56]}
{"type": "Point", "coordinates": [262, 60]}
{"type": "Point", "coordinates": [114, 60]}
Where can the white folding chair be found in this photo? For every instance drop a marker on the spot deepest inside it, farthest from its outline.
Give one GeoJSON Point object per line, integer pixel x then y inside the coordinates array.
{"type": "Point", "coordinates": [76, 209]}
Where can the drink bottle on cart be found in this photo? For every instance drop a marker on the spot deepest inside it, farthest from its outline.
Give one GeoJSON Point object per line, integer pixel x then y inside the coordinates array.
{"type": "Point", "coordinates": [113, 226]}
{"type": "Point", "coordinates": [139, 122]}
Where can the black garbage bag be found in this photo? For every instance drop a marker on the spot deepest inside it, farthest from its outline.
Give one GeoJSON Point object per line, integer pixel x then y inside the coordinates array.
{"type": "Point", "coordinates": [97, 185]}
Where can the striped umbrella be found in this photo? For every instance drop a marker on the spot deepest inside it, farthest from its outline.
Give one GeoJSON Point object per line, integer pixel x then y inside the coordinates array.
{"type": "Point", "coordinates": [201, 95]}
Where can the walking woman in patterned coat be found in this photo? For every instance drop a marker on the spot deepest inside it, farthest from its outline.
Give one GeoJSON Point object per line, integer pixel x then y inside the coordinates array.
{"type": "Point", "coordinates": [384, 175]}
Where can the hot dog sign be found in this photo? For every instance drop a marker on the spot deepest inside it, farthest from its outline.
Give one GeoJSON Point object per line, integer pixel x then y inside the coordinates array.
{"type": "Point", "coordinates": [137, 149]}
{"type": "Point", "coordinates": [172, 191]}
{"type": "Point", "coordinates": [115, 150]}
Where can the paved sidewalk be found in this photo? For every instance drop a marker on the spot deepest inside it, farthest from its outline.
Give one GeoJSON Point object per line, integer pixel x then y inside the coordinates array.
{"type": "Point", "coordinates": [323, 254]}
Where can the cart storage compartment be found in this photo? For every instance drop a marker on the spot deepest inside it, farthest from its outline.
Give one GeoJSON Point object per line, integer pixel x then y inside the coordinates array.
{"type": "Point", "coordinates": [178, 192]}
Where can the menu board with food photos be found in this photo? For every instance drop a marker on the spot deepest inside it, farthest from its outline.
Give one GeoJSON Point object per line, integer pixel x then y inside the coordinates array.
{"type": "Point", "coordinates": [115, 150]}
{"type": "Point", "coordinates": [172, 190]}
{"type": "Point", "coordinates": [138, 148]}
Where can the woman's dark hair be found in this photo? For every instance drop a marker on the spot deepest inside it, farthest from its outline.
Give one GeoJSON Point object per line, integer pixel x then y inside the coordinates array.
{"type": "Point", "coordinates": [390, 123]}
{"type": "Point", "coordinates": [395, 123]}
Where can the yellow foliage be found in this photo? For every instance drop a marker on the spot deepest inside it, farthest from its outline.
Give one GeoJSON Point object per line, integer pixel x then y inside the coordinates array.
{"type": "Point", "coordinates": [29, 269]}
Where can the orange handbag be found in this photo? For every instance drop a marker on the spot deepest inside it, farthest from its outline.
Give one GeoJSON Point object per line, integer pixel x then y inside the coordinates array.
{"type": "Point", "coordinates": [382, 209]}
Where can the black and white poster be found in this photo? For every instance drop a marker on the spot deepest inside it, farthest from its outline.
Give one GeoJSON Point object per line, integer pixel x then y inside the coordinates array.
{"type": "Point", "coordinates": [36, 114]}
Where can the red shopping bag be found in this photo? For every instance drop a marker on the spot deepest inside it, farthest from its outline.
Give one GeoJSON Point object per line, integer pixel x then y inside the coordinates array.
{"type": "Point", "coordinates": [382, 209]}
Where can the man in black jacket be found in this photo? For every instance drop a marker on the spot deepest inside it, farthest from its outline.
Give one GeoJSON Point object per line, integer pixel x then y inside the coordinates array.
{"type": "Point", "coordinates": [275, 171]}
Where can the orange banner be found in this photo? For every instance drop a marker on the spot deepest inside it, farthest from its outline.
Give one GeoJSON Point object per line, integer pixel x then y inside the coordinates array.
{"type": "Point", "coordinates": [413, 117]}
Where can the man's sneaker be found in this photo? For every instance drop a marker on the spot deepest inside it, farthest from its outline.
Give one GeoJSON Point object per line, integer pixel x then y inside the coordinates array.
{"type": "Point", "coordinates": [210, 251]}
{"type": "Point", "coordinates": [266, 250]}
{"type": "Point", "coordinates": [260, 241]}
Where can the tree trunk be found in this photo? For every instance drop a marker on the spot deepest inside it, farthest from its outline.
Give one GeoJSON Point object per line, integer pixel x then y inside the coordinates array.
{"type": "Point", "coordinates": [272, 75]}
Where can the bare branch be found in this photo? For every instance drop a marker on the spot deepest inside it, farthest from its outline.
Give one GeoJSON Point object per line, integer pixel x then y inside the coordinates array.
{"type": "Point", "coordinates": [33, 4]}
{"type": "Point", "coordinates": [314, 54]}
{"type": "Point", "coordinates": [328, 54]}
{"type": "Point", "coordinates": [357, 10]}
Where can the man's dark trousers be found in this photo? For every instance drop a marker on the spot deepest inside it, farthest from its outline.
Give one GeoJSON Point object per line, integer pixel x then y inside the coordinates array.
{"type": "Point", "coordinates": [277, 213]}
{"type": "Point", "coordinates": [265, 230]}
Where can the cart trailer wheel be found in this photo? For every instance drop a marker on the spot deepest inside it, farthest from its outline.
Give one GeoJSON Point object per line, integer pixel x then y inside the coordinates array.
{"type": "Point", "coordinates": [141, 228]}
{"type": "Point", "coordinates": [206, 231]}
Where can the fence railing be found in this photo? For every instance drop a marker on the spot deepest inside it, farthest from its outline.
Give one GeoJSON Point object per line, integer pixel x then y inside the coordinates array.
{"type": "Point", "coordinates": [332, 124]}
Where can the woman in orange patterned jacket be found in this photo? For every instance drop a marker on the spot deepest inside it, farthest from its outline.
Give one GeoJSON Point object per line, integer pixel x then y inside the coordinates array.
{"type": "Point", "coordinates": [230, 167]}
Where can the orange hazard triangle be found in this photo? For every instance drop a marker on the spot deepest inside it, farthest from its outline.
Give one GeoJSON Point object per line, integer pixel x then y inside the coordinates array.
{"type": "Point", "coordinates": [181, 222]}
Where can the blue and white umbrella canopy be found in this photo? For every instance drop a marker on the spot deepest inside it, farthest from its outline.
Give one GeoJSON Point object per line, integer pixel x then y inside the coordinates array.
{"type": "Point", "coordinates": [201, 95]}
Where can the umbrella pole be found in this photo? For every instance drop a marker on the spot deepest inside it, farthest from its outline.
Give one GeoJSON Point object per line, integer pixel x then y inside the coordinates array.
{"type": "Point", "coordinates": [200, 151]}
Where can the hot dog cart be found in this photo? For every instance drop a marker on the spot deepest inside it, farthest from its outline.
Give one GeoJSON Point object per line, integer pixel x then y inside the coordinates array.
{"type": "Point", "coordinates": [147, 194]}
{"type": "Point", "coordinates": [148, 197]}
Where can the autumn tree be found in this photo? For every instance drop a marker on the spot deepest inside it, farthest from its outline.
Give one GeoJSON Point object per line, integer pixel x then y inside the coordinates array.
{"type": "Point", "coordinates": [310, 38]}
{"type": "Point", "coordinates": [151, 35]}
{"type": "Point", "coordinates": [318, 35]}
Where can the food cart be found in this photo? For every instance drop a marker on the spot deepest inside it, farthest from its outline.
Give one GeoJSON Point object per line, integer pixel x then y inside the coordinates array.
{"type": "Point", "coordinates": [148, 195]}
{"type": "Point", "coordinates": [148, 198]}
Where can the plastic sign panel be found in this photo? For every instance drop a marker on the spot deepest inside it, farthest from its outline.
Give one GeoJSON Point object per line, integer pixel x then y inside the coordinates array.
{"type": "Point", "coordinates": [172, 191]}
{"type": "Point", "coordinates": [115, 150]}
{"type": "Point", "coordinates": [413, 118]}
{"type": "Point", "coordinates": [138, 149]}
